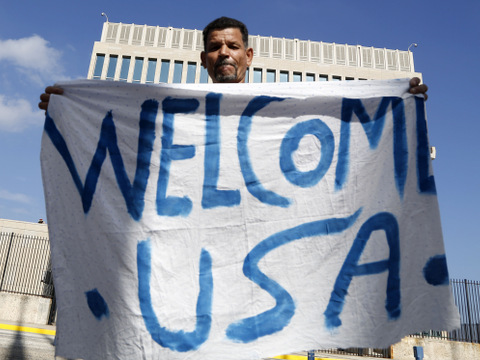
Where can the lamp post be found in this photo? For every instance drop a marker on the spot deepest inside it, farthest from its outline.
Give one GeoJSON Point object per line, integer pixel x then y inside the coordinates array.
{"type": "Point", "coordinates": [412, 44]}
{"type": "Point", "coordinates": [103, 14]}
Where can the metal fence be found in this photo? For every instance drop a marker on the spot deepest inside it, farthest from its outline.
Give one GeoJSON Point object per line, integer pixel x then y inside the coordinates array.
{"type": "Point", "coordinates": [370, 352]}
{"type": "Point", "coordinates": [466, 294]}
{"type": "Point", "coordinates": [467, 298]}
{"type": "Point", "coordinates": [25, 265]}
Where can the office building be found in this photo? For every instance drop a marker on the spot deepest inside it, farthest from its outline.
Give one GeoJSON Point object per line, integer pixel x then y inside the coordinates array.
{"type": "Point", "coordinates": [154, 54]}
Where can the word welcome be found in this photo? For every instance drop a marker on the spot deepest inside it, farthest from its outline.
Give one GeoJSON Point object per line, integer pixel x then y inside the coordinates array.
{"type": "Point", "coordinates": [167, 205]}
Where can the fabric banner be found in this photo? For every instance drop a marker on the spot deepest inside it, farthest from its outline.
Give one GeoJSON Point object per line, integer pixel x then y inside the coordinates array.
{"type": "Point", "coordinates": [241, 221]}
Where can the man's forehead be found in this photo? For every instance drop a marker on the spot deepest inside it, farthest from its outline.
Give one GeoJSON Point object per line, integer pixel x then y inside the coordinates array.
{"type": "Point", "coordinates": [230, 33]}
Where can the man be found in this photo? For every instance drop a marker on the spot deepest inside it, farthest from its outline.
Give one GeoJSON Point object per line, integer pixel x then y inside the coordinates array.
{"type": "Point", "coordinates": [226, 57]}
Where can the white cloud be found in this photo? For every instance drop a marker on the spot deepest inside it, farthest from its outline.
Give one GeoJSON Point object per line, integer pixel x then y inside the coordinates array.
{"type": "Point", "coordinates": [16, 197]}
{"type": "Point", "coordinates": [17, 114]}
{"type": "Point", "coordinates": [32, 55]}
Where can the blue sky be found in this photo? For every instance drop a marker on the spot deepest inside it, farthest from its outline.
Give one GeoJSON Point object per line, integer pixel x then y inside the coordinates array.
{"type": "Point", "coordinates": [43, 42]}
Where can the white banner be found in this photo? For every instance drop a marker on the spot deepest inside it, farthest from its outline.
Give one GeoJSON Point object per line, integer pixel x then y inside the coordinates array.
{"type": "Point", "coordinates": [241, 221]}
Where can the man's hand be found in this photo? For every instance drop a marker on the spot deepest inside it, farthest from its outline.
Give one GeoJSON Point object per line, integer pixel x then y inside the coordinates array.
{"type": "Point", "coordinates": [416, 88]}
{"type": "Point", "coordinates": [45, 97]}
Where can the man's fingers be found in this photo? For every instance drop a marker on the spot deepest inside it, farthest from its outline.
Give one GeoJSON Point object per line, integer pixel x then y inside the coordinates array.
{"type": "Point", "coordinates": [54, 90]}
{"type": "Point", "coordinates": [45, 97]}
{"type": "Point", "coordinates": [416, 88]}
{"type": "Point", "coordinates": [414, 82]}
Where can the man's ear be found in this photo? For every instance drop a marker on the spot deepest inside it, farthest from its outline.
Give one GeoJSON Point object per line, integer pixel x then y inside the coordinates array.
{"type": "Point", "coordinates": [203, 57]}
{"type": "Point", "coordinates": [249, 53]}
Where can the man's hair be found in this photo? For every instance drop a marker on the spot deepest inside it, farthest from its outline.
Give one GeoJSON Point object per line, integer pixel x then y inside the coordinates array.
{"type": "Point", "coordinates": [225, 23]}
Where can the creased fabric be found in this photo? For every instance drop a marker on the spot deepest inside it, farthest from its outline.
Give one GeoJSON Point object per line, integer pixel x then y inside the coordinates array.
{"type": "Point", "coordinates": [241, 221]}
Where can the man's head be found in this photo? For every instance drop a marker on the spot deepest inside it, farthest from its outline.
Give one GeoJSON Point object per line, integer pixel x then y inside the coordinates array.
{"type": "Point", "coordinates": [227, 55]}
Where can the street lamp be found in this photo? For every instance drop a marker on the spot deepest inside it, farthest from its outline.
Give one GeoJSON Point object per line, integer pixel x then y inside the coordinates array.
{"type": "Point", "coordinates": [103, 14]}
{"type": "Point", "coordinates": [412, 44]}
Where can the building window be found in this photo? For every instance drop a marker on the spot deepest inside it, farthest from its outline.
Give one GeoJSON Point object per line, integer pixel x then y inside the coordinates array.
{"type": "Point", "coordinates": [271, 76]}
{"type": "Point", "coordinates": [177, 72]}
{"type": "Point", "coordinates": [125, 34]}
{"type": "Point", "coordinates": [322, 77]}
{"type": "Point", "coordinates": [310, 77]}
{"type": "Point", "coordinates": [247, 72]}
{"type": "Point", "coordinates": [176, 34]}
{"type": "Point", "coordinates": [336, 78]}
{"type": "Point", "coordinates": [191, 71]}
{"type": "Point", "coordinates": [349, 78]}
{"type": "Point", "coordinates": [112, 32]}
{"type": "Point", "coordinates": [257, 75]}
{"type": "Point", "coordinates": [203, 75]}
{"type": "Point", "coordinates": [152, 65]}
{"type": "Point", "coordinates": [283, 76]}
{"type": "Point", "coordinates": [199, 41]}
{"type": "Point", "coordinates": [188, 39]}
{"type": "Point", "coordinates": [164, 70]}
{"type": "Point", "coordinates": [97, 73]}
{"type": "Point", "coordinates": [137, 35]}
{"type": "Point", "coordinates": [137, 71]}
{"type": "Point", "coordinates": [112, 67]}
{"type": "Point", "coordinates": [289, 49]}
{"type": "Point", "coordinates": [125, 68]}
{"type": "Point", "coordinates": [297, 77]}
{"type": "Point", "coordinates": [277, 48]}
{"type": "Point", "coordinates": [150, 36]}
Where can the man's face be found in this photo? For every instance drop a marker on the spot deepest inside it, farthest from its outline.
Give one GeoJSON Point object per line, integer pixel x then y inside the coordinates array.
{"type": "Point", "coordinates": [225, 56]}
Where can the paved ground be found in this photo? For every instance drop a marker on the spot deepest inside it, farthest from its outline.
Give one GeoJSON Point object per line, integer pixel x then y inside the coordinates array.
{"type": "Point", "coordinates": [323, 356]}
{"type": "Point", "coordinates": [20, 345]}
{"type": "Point", "coordinates": [35, 342]}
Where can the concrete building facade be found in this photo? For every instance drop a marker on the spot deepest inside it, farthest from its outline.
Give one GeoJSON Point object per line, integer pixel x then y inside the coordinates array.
{"type": "Point", "coordinates": [155, 54]}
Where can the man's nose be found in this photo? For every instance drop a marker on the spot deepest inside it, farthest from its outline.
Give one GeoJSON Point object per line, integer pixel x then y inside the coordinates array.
{"type": "Point", "coordinates": [224, 51]}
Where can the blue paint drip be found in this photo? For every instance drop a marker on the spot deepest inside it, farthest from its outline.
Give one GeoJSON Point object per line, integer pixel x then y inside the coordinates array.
{"type": "Point", "coordinates": [251, 181]}
{"type": "Point", "coordinates": [381, 221]}
{"type": "Point", "coordinates": [275, 319]}
{"type": "Point", "coordinates": [97, 304]}
{"type": "Point", "coordinates": [373, 129]}
{"type": "Point", "coordinates": [213, 197]}
{"type": "Point", "coordinates": [426, 183]}
{"type": "Point", "coordinates": [290, 144]}
{"type": "Point", "coordinates": [134, 195]}
{"type": "Point", "coordinates": [400, 145]}
{"type": "Point", "coordinates": [435, 271]}
{"type": "Point", "coordinates": [180, 341]}
{"type": "Point", "coordinates": [173, 205]}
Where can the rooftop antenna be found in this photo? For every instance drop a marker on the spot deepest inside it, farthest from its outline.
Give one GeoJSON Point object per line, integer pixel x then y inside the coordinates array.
{"type": "Point", "coordinates": [103, 14]}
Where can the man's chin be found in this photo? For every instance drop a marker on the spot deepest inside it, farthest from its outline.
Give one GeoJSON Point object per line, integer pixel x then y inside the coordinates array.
{"type": "Point", "coordinates": [226, 78]}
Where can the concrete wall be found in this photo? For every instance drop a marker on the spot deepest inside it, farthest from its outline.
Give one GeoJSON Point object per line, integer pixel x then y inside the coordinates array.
{"type": "Point", "coordinates": [436, 349]}
{"type": "Point", "coordinates": [23, 227]}
{"type": "Point", "coordinates": [24, 308]}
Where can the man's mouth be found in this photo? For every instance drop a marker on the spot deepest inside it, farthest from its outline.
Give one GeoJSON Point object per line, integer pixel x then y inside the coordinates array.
{"type": "Point", "coordinates": [224, 64]}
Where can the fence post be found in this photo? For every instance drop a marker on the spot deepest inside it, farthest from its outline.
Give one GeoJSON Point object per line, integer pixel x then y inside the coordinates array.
{"type": "Point", "coordinates": [53, 309]}
{"type": "Point", "coordinates": [6, 261]}
{"type": "Point", "coordinates": [418, 352]}
{"type": "Point", "coordinates": [468, 310]}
